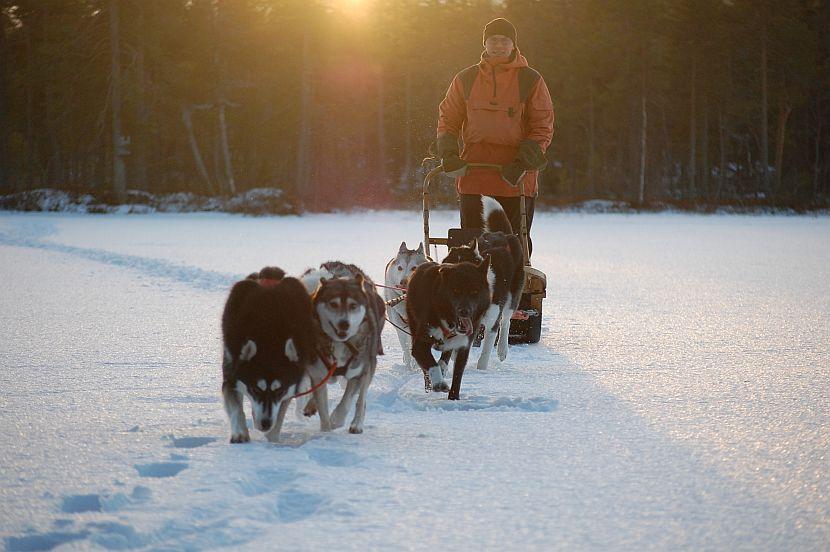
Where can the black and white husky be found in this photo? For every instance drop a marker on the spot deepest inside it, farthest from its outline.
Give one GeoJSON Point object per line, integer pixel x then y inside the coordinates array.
{"type": "Point", "coordinates": [506, 277]}
{"type": "Point", "coordinates": [398, 271]}
{"type": "Point", "coordinates": [507, 281]}
{"type": "Point", "coordinates": [445, 305]}
{"type": "Point", "coordinates": [460, 254]}
{"type": "Point", "coordinates": [267, 330]}
{"type": "Point", "coordinates": [348, 314]}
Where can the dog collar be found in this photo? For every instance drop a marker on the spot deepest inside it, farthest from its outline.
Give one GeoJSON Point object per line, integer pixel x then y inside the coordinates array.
{"type": "Point", "coordinates": [447, 332]}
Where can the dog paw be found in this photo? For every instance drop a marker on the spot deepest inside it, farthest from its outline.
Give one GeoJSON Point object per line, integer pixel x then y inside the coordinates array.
{"type": "Point", "coordinates": [441, 386]}
{"type": "Point", "coordinates": [502, 354]}
{"type": "Point", "coordinates": [452, 396]}
{"type": "Point", "coordinates": [310, 410]}
{"type": "Point", "coordinates": [356, 430]}
{"type": "Point", "coordinates": [337, 422]}
{"type": "Point", "coordinates": [240, 438]}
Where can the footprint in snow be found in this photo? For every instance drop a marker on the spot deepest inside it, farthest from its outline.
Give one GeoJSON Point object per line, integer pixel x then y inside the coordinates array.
{"type": "Point", "coordinates": [76, 504]}
{"type": "Point", "coordinates": [501, 404]}
{"type": "Point", "coordinates": [334, 457]}
{"type": "Point", "coordinates": [115, 536]}
{"type": "Point", "coordinates": [191, 442]}
{"type": "Point", "coordinates": [79, 504]}
{"type": "Point", "coordinates": [296, 439]}
{"type": "Point", "coordinates": [141, 493]}
{"type": "Point", "coordinates": [294, 505]}
{"type": "Point", "coordinates": [160, 469]}
{"type": "Point", "coordinates": [43, 541]}
{"type": "Point", "coordinates": [437, 401]}
{"type": "Point", "coordinates": [106, 534]}
{"type": "Point", "coordinates": [264, 481]}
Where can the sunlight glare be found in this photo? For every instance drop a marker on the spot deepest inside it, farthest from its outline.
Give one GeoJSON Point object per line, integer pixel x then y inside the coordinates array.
{"type": "Point", "coordinates": [354, 9]}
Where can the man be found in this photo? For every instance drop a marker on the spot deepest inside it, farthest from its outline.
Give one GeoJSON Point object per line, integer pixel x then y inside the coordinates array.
{"type": "Point", "coordinates": [502, 110]}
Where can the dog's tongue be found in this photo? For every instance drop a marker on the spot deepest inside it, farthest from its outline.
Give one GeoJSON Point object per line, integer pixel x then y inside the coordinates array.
{"type": "Point", "coordinates": [465, 325]}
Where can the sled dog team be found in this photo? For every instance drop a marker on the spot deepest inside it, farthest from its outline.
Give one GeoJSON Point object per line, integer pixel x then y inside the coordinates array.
{"type": "Point", "coordinates": [287, 337]}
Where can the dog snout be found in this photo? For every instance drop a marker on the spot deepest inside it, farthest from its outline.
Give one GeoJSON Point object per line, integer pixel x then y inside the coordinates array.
{"type": "Point", "coordinates": [464, 312]}
{"type": "Point", "coordinates": [343, 325]}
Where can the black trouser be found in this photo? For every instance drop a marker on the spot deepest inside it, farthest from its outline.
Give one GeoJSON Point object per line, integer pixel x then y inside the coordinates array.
{"type": "Point", "coordinates": [471, 213]}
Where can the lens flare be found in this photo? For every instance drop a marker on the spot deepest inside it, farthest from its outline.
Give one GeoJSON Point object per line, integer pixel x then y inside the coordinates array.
{"type": "Point", "coordinates": [354, 9]}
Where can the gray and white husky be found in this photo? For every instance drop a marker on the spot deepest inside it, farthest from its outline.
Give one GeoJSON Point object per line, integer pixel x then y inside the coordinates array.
{"type": "Point", "coordinates": [348, 313]}
{"type": "Point", "coordinates": [398, 271]}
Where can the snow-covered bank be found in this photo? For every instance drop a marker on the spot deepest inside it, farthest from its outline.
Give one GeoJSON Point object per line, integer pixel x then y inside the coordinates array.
{"type": "Point", "coordinates": [272, 201]}
{"type": "Point", "coordinates": [678, 398]}
{"type": "Point", "coordinates": [259, 201]}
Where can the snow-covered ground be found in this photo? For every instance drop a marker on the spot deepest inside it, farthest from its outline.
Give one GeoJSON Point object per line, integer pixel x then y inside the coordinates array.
{"type": "Point", "coordinates": [679, 397]}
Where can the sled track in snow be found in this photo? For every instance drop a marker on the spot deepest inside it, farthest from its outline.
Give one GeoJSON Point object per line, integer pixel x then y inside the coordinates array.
{"type": "Point", "coordinates": [396, 389]}
{"type": "Point", "coordinates": [33, 235]}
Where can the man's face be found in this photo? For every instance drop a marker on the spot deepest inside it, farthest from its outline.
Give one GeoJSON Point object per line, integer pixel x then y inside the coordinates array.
{"type": "Point", "coordinates": [498, 46]}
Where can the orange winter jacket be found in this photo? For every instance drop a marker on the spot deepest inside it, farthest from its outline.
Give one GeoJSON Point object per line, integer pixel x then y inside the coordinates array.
{"type": "Point", "coordinates": [494, 107]}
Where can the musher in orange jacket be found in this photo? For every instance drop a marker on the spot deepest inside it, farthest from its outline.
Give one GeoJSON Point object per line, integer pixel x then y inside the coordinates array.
{"type": "Point", "coordinates": [501, 109]}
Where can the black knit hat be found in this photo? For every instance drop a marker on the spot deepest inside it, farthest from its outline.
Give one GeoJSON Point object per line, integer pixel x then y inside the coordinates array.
{"type": "Point", "coordinates": [500, 26]}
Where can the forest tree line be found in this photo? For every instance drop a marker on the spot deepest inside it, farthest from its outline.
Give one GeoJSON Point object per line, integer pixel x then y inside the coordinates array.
{"type": "Point", "coordinates": [335, 102]}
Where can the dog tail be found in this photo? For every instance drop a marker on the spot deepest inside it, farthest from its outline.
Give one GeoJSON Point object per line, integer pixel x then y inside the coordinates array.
{"type": "Point", "coordinates": [494, 217]}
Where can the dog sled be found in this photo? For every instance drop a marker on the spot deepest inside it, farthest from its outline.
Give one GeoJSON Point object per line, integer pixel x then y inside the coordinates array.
{"type": "Point", "coordinates": [526, 323]}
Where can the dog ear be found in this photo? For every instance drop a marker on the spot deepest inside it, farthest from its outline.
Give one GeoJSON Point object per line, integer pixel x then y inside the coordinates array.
{"type": "Point", "coordinates": [360, 281]}
{"type": "Point", "coordinates": [484, 265]}
{"type": "Point", "coordinates": [421, 248]}
{"type": "Point", "coordinates": [403, 248]}
{"type": "Point", "coordinates": [320, 284]}
{"type": "Point", "coordinates": [248, 351]}
{"type": "Point", "coordinates": [291, 350]}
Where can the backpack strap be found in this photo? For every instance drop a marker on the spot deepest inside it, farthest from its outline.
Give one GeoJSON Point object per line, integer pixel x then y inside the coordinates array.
{"type": "Point", "coordinates": [468, 77]}
{"type": "Point", "coordinates": [527, 80]}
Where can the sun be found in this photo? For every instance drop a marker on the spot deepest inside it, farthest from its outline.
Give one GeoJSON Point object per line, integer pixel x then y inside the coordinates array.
{"type": "Point", "coordinates": [354, 9]}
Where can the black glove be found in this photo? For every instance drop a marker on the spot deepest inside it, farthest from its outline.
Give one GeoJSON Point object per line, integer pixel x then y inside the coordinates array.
{"type": "Point", "coordinates": [512, 173]}
{"type": "Point", "coordinates": [453, 165]}
{"type": "Point", "coordinates": [451, 162]}
{"type": "Point", "coordinates": [530, 156]}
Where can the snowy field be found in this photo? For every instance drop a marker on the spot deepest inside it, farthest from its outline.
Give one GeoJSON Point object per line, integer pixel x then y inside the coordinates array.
{"type": "Point", "coordinates": [678, 399]}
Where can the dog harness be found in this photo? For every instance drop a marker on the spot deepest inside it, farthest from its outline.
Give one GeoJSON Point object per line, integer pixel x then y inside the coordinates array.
{"type": "Point", "coordinates": [334, 369]}
{"type": "Point", "coordinates": [448, 334]}
{"type": "Point", "coordinates": [341, 370]}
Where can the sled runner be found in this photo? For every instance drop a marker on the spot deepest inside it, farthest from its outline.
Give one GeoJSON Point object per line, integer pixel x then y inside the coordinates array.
{"type": "Point", "coordinates": [526, 323]}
